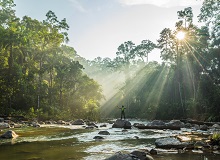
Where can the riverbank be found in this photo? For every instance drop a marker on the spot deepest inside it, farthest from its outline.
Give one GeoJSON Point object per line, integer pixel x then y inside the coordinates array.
{"type": "Point", "coordinates": [79, 141]}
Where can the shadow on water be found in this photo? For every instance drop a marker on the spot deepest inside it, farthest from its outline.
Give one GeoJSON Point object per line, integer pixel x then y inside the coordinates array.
{"type": "Point", "coordinates": [59, 143]}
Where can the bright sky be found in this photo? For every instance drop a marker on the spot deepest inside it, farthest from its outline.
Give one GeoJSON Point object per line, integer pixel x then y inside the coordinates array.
{"type": "Point", "coordinates": [98, 27]}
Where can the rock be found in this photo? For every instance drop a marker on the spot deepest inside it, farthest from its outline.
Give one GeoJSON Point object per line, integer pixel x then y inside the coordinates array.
{"type": "Point", "coordinates": [48, 122]}
{"type": "Point", "coordinates": [156, 123]}
{"type": "Point", "coordinates": [183, 138]}
{"type": "Point", "coordinates": [4, 125]}
{"type": "Point", "coordinates": [171, 143]}
{"type": "Point", "coordinates": [119, 123]}
{"type": "Point", "coordinates": [216, 152]}
{"type": "Point", "coordinates": [188, 125]}
{"type": "Point", "coordinates": [215, 147]}
{"type": "Point", "coordinates": [1, 120]}
{"type": "Point", "coordinates": [120, 156]}
{"type": "Point", "coordinates": [89, 127]}
{"type": "Point", "coordinates": [197, 151]}
{"type": "Point", "coordinates": [9, 134]}
{"type": "Point", "coordinates": [176, 123]}
{"type": "Point", "coordinates": [204, 127]}
{"type": "Point", "coordinates": [78, 122]}
{"type": "Point", "coordinates": [61, 122]}
{"type": "Point", "coordinates": [216, 126]}
{"type": "Point", "coordinates": [196, 127]}
{"type": "Point", "coordinates": [199, 144]}
{"type": "Point", "coordinates": [141, 155]}
{"type": "Point", "coordinates": [15, 125]}
{"type": "Point", "coordinates": [135, 155]}
{"type": "Point", "coordinates": [148, 157]}
{"type": "Point", "coordinates": [153, 151]}
{"type": "Point", "coordinates": [98, 138]}
{"type": "Point", "coordinates": [42, 123]}
{"type": "Point", "coordinates": [111, 121]}
{"type": "Point", "coordinates": [92, 124]}
{"type": "Point", "coordinates": [127, 125]}
{"type": "Point", "coordinates": [104, 133]}
{"type": "Point", "coordinates": [35, 124]}
{"type": "Point", "coordinates": [103, 125]}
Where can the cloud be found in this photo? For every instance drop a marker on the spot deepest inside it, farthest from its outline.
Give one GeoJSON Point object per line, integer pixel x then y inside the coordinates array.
{"type": "Point", "coordinates": [76, 4]}
{"type": "Point", "coordinates": [161, 3]}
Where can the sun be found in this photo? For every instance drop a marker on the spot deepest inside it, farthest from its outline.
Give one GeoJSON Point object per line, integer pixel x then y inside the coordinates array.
{"type": "Point", "coordinates": [180, 35]}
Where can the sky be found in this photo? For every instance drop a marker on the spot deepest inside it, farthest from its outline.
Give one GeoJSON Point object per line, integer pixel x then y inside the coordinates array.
{"type": "Point", "coordinates": [99, 27]}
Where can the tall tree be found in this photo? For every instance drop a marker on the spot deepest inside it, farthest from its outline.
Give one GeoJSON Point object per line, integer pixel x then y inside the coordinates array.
{"type": "Point", "coordinates": [142, 50]}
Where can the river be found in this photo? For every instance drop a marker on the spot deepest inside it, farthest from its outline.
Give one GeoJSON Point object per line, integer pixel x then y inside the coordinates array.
{"type": "Point", "coordinates": [58, 142]}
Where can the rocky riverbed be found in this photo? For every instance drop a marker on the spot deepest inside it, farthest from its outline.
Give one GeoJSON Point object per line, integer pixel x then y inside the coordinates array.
{"type": "Point", "coordinates": [79, 140]}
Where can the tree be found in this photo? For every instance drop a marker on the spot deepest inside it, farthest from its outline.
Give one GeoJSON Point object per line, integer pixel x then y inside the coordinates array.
{"type": "Point", "coordinates": [187, 16]}
{"type": "Point", "coordinates": [144, 49]}
{"type": "Point", "coordinates": [124, 56]}
{"type": "Point", "coordinates": [167, 45]}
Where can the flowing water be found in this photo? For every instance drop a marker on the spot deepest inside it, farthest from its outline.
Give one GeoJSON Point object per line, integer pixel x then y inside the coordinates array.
{"type": "Point", "coordinates": [75, 143]}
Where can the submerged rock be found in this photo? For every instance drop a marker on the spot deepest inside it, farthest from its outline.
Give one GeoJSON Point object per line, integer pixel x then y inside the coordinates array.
{"type": "Point", "coordinates": [120, 123]}
{"type": "Point", "coordinates": [104, 133]}
{"type": "Point", "coordinates": [9, 134]}
{"type": "Point", "coordinates": [98, 138]}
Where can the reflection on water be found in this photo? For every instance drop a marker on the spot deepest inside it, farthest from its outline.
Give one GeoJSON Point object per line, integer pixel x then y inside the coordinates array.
{"type": "Point", "coordinates": [75, 143]}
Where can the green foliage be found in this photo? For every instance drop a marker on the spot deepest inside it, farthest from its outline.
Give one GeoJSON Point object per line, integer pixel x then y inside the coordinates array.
{"type": "Point", "coordinates": [39, 75]}
{"type": "Point", "coordinates": [33, 113]}
{"type": "Point", "coordinates": [215, 136]}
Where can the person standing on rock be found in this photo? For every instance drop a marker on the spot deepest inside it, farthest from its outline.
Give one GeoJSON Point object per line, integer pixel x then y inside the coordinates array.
{"type": "Point", "coordinates": [122, 111]}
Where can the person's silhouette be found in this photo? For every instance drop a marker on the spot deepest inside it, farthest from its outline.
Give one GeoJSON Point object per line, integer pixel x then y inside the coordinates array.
{"type": "Point", "coordinates": [122, 111]}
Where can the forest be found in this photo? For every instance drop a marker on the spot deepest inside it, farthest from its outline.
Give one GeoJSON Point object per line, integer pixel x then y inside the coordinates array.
{"type": "Point", "coordinates": [42, 77]}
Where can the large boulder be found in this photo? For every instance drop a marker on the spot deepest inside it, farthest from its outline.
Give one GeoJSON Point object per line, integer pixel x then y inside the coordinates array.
{"type": "Point", "coordinates": [120, 123]}
{"type": "Point", "coordinates": [168, 143]}
{"type": "Point", "coordinates": [176, 123]}
{"type": "Point", "coordinates": [9, 134]}
{"type": "Point", "coordinates": [78, 122]}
